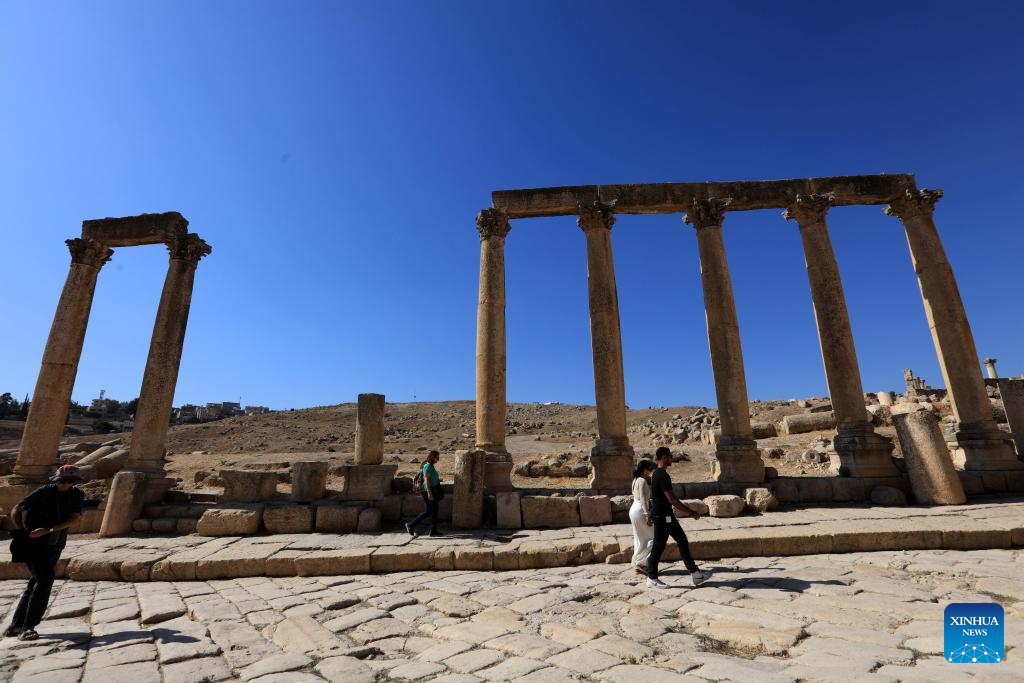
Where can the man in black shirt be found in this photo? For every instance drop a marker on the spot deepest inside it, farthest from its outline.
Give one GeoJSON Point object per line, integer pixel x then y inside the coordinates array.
{"type": "Point", "coordinates": [48, 513]}
{"type": "Point", "coordinates": [663, 499]}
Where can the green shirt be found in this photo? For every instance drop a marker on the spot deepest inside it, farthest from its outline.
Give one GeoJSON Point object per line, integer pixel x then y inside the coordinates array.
{"type": "Point", "coordinates": [430, 477]}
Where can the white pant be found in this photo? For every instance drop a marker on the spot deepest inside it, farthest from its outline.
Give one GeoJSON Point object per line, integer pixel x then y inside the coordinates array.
{"type": "Point", "coordinates": [643, 534]}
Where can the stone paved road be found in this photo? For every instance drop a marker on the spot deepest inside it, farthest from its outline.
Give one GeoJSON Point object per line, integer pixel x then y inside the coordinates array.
{"type": "Point", "coordinates": [859, 616]}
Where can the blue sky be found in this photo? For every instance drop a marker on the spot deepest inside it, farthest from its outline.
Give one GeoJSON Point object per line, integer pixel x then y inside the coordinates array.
{"type": "Point", "coordinates": [335, 154]}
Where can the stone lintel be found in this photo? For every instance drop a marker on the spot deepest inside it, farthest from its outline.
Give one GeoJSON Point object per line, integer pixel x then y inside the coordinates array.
{"type": "Point", "coordinates": [131, 231]}
{"type": "Point", "coordinates": [746, 195]}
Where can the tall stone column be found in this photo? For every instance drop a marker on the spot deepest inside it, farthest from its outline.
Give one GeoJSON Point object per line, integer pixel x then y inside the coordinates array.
{"type": "Point", "coordinates": [492, 224]}
{"type": "Point", "coordinates": [990, 368]}
{"type": "Point", "coordinates": [37, 457]}
{"type": "Point", "coordinates": [861, 452]}
{"type": "Point", "coordinates": [612, 457]}
{"type": "Point", "coordinates": [980, 445]}
{"type": "Point", "coordinates": [153, 414]}
{"type": "Point", "coordinates": [737, 457]}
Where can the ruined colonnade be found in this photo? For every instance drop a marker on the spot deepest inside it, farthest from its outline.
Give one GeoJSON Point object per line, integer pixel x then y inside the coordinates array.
{"type": "Point", "coordinates": [38, 455]}
{"type": "Point", "coordinates": [979, 444]}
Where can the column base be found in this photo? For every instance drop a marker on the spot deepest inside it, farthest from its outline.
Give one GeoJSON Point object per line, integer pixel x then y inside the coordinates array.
{"type": "Point", "coordinates": [497, 471]}
{"type": "Point", "coordinates": [611, 465]}
{"type": "Point", "coordinates": [983, 446]}
{"type": "Point", "coordinates": [862, 452]}
{"type": "Point", "coordinates": [31, 474]}
{"type": "Point", "coordinates": [737, 460]}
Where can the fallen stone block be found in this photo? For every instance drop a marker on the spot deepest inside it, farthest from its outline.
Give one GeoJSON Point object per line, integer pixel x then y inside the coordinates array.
{"type": "Point", "coordinates": [929, 463]}
{"type": "Point", "coordinates": [725, 506]}
{"type": "Point", "coordinates": [760, 499]}
{"type": "Point", "coordinates": [808, 422]}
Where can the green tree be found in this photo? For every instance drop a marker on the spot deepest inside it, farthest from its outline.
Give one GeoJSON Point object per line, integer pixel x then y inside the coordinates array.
{"type": "Point", "coordinates": [6, 407]}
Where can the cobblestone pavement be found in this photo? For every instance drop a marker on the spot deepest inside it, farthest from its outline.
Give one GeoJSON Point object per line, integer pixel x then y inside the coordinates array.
{"type": "Point", "coordinates": [858, 616]}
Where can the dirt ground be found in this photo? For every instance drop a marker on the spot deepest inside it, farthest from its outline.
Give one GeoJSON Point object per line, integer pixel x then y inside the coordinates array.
{"type": "Point", "coordinates": [537, 432]}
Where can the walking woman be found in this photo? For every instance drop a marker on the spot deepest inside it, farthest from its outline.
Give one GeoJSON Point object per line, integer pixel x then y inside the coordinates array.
{"type": "Point", "coordinates": [430, 488]}
{"type": "Point", "coordinates": [640, 516]}
{"type": "Point", "coordinates": [43, 519]}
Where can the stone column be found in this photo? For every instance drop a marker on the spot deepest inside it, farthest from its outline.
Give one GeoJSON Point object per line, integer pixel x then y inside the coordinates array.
{"type": "Point", "coordinates": [370, 429]}
{"type": "Point", "coordinates": [492, 224]}
{"type": "Point", "coordinates": [1012, 393]}
{"type": "Point", "coordinates": [990, 367]}
{"type": "Point", "coordinates": [37, 458]}
{"type": "Point", "coordinates": [612, 457]}
{"type": "Point", "coordinates": [737, 457]}
{"type": "Point", "coordinates": [980, 445]}
{"type": "Point", "coordinates": [862, 452]}
{"type": "Point", "coordinates": [929, 467]}
{"type": "Point", "coordinates": [153, 415]}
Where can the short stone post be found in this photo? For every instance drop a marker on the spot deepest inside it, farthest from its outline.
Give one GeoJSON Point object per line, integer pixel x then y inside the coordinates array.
{"type": "Point", "coordinates": [153, 415]}
{"type": "Point", "coordinates": [309, 480]}
{"type": "Point", "coordinates": [885, 398]}
{"type": "Point", "coordinates": [980, 444]}
{"type": "Point", "coordinates": [612, 456]}
{"type": "Point", "coordinates": [37, 458]}
{"type": "Point", "coordinates": [990, 368]}
{"type": "Point", "coordinates": [1012, 393]}
{"type": "Point", "coordinates": [370, 429]}
{"type": "Point", "coordinates": [736, 457]}
{"type": "Point", "coordinates": [933, 479]}
{"type": "Point", "coordinates": [493, 227]}
{"type": "Point", "coordinates": [124, 503]}
{"type": "Point", "coordinates": [468, 504]}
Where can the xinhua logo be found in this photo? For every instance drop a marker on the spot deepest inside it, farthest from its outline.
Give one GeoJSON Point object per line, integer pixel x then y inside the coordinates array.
{"type": "Point", "coordinates": [973, 633]}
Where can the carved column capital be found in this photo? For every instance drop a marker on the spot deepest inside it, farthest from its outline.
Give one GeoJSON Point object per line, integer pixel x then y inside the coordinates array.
{"type": "Point", "coordinates": [492, 223]}
{"type": "Point", "coordinates": [809, 209]}
{"type": "Point", "coordinates": [913, 204]}
{"type": "Point", "coordinates": [89, 252]}
{"type": "Point", "coordinates": [596, 215]}
{"type": "Point", "coordinates": [188, 248]}
{"type": "Point", "coordinates": [706, 213]}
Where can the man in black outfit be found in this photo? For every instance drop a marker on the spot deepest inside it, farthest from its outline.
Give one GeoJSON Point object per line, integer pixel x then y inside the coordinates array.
{"type": "Point", "coordinates": [663, 499]}
{"type": "Point", "coordinates": [48, 513]}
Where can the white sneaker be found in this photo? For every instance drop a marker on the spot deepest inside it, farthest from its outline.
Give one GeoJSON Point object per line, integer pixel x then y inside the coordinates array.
{"type": "Point", "coordinates": [700, 577]}
{"type": "Point", "coordinates": [656, 583]}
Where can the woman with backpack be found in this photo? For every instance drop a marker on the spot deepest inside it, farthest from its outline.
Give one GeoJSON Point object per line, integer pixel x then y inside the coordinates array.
{"type": "Point", "coordinates": [428, 482]}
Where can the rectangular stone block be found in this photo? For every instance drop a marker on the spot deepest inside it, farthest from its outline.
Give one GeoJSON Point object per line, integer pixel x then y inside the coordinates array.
{"type": "Point", "coordinates": [329, 562]}
{"type": "Point", "coordinates": [248, 486]}
{"type": "Point", "coordinates": [808, 422]}
{"type": "Point", "coordinates": [368, 482]}
{"type": "Point", "coordinates": [309, 480]}
{"type": "Point", "coordinates": [130, 231]}
{"type": "Point", "coordinates": [288, 519]}
{"type": "Point", "coordinates": [814, 489]}
{"type": "Point", "coordinates": [336, 519]}
{"type": "Point", "coordinates": [595, 510]}
{"type": "Point", "coordinates": [509, 513]}
{"type": "Point", "coordinates": [468, 503]}
{"type": "Point", "coordinates": [235, 520]}
{"type": "Point", "coordinates": [552, 512]}
{"type": "Point", "coordinates": [391, 507]}
{"type": "Point", "coordinates": [400, 559]}
{"type": "Point", "coordinates": [475, 559]}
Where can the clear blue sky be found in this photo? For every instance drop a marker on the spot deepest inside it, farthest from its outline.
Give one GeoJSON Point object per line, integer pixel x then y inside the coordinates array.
{"type": "Point", "coordinates": [335, 154]}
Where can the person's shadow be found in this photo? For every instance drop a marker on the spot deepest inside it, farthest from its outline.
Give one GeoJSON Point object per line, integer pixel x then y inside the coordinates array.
{"type": "Point", "coordinates": [163, 635]}
{"type": "Point", "coordinates": [721, 579]}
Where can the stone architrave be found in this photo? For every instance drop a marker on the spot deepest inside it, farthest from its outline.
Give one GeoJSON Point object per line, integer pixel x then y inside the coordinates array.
{"type": "Point", "coordinates": [309, 480]}
{"type": "Point", "coordinates": [370, 429]}
{"type": "Point", "coordinates": [980, 444]}
{"type": "Point", "coordinates": [933, 479]}
{"type": "Point", "coordinates": [124, 503]}
{"type": "Point", "coordinates": [861, 451]}
{"type": "Point", "coordinates": [612, 456]}
{"type": "Point", "coordinates": [37, 457]}
{"type": "Point", "coordinates": [737, 457]}
{"type": "Point", "coordinates": [1012, 393]}
{"type": "Point", "coordinates": [493, 227]}
{"type": "Point", "coordinates": [153, 415]}
{"type": "Point", "coordinates": [468, 504]}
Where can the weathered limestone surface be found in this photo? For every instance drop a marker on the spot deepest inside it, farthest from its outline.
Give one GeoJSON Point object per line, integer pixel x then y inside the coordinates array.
{"type": "Point", "coordinates": [37, 457]}
{"type": "Point", "coordinates": [368, 482]}
{"type": "Point", "coordinates": [725, 505]}
{"type": "Point", "coordinates": [336, 518]}
{"type": "Point", "coordinates": [595, 510]}
{"type": "Point", "coordinates": [612, 456]}
{"type": "Point", "coordinates": [237, 520]}
{"type": "Point", "coordinates": [550, 511]}
{"type": "Point", "coordinates": [808, 422]}
{"type": "Point", "coordinates": [288, 519]}
{"type": "Point", "coordinates": [309, 480]}
{"type": "Point", "coordinates": [737, 459]}
{"type": "Point", "coordinates": [370, 429]}
{"type": "Point", "coordinates": [493, 227]}
{"type": "Point", "coordinates": [509, 512]}
{"type": "Point", "coordinates": [124, 503]}
{"type": "Point", "coordinates": [149, 435]}
{"type": "Point", "coordinates": [248, 486]}
{"type": "Point", "coordinates": [1012, 392]}
{"type": "Point", "coordinates": [468, 506]}
{"type": "Point", "coordinates": [980, 443]}
{"type": "Point", "coordinates": [929, 465]}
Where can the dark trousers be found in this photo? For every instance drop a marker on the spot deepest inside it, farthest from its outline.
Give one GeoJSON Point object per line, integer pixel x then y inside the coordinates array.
{"type": "Point", "coordinates": [429, 510]}
{"type": "Point", "coordinates": [32, 605]}
{"type": "Point", "coordinates": [662, 531]}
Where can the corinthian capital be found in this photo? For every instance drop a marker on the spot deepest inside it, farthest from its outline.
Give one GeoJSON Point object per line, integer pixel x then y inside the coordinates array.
{"type": "Point", "coordinates": [188, 248]}
{"type": "Point", "coordinates": [596, 215]}
{"type": "Point", "coordinates": [89, 252]}
{"type": "Point", "coordinates": [492, 223]}
{"type": "Point", "coordinates": [809, 209]}
{"type": "Point", "coordinates": [705, 213]}
{"type": "Point", "coordinates": [912, 204]}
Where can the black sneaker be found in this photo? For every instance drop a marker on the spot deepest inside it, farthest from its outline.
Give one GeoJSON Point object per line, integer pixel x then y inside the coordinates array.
{"type": "Point", "coordinates": [12, 631]}
{"type": "Point", "coordinates": [410, 530]}
{"type": "Point", "coordinates": [28, 634]}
